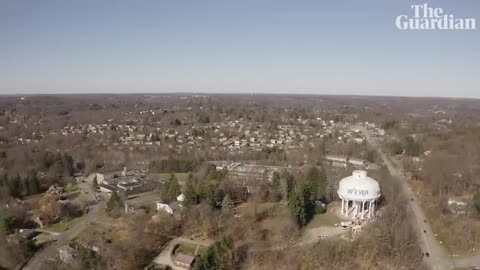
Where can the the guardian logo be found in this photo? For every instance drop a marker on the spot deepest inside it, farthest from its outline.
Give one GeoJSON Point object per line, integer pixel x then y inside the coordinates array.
{"type": "Point", "coordinates": [427, 18]}
{"type": "Point", "coordinates": [357, 192]}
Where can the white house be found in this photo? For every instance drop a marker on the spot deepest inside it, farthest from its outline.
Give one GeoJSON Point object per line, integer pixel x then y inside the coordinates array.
{"type": "Point", "coordinates": [164, 207]}
{"type": "Point", "coordinates": [181, 198]}
{"type": "Point", "coordinates": [358, 140]}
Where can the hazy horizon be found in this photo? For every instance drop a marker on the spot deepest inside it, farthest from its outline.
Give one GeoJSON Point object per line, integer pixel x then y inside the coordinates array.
{"type": "Point", "coordinates": [230, 93]}
{"type": "Point", "coordinates": [267, 47]}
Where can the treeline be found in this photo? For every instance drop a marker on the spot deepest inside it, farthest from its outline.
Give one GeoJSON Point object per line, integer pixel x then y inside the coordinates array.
{"type": "Point", "coordinates": [408, 146]}
{"type": "Point", "coordinates": [209, 189]}
{"type": "Point", "coordinates": [52, 167]}
{"type": "Point", "coordinates": [17, 186]}
{"type": "Point", "coordinates": [44, 168]}
{"type": "Point", "coordinates": [56, 164]}
{"type": "Point", "coordinates": [173, 166]}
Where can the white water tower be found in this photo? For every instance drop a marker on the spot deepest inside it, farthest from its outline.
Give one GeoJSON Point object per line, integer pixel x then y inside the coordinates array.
{"type": "Point", "coordinates": [358, 193]}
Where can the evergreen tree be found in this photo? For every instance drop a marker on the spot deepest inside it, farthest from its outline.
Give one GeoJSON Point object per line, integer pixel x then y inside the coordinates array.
{"type": "Point", "coordinates": [173, 189]}
{"type": "Point", "coordinates": [191, 196]}
{"type": "Point", "coordinates": [15, 186]}
{"type": "Point", "coordinates": [396, 148]}
{"type": "Point", "coordinates": [317, 182]}
{"type": "Point", "coordinates": [412, 147]}
{"type": "Point", "coordinates": [215, 257]}
{"type": "Point", "coordinates": [227, 206]}
{"type": "Point", "coordinates": [213, 195]}
{"type": "Point", "coordinates": [7, 223]}
{"type": "Point", "coordinates": [286, 185]}
{"type": "Point", "coordinates": [31, 183]}
{"type": "Point", "coordinates": [3, 180]}
{"type": "Point", "coordinates": [371, 156]}
{"type": "Point", "coordinates": [95, 183]}
{"type": "Point", "coordinates": [312, 179]}
{"type": "Point", "coordinates": [276, 179]}
{"type": "Point", "coordinates": [115, 202]}
{"type": "Point", "coordinates": [476, 201]}
{"type": "Point", "coordinates": [88, 258]}
{"type": "Point", "coordinates": [301, 206]}
{"type": "Point", "coordinates": [322, 184]}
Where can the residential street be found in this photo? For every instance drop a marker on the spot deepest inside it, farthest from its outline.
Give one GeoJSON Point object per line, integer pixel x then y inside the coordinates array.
{"type": "Point", "coordinates": [49, 251]}
{"type": "Point", "coordinates": [437, 260]}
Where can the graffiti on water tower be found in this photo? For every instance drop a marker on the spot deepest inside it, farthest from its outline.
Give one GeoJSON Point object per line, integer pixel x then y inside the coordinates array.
{"type": "Point", "coordinates": [357, 192]}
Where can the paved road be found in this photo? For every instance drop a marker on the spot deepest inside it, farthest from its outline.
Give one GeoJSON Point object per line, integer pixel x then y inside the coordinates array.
{"type": "Point", "coordinates": [50, 250]}
{"type": "Point", "coordinates": [437, 259]}
{"type": "Point", "coordinates": [164, 256]}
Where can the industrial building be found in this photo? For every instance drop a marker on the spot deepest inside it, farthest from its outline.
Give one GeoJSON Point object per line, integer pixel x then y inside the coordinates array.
{"type": "Point", "coordinates": [249, 171]}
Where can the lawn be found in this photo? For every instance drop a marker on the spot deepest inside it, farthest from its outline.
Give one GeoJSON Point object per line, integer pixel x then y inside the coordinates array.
{"type": "Point", "coordinates": [43, 238]}
{"type": "Point", "coordinates": [326, 219]}
{"type": "Point", "coordinates": [62, 225]}
{"type": "Point", "coordinates": [71, 187]}
{"type": "Point", "coordinates": [250, 208]}
{"type": "Point", "coordinates": [187, 248]}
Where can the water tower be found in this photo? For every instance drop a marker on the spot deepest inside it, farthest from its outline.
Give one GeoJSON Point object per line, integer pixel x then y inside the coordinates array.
{"type": "Point", "coordinates": [358, 193]}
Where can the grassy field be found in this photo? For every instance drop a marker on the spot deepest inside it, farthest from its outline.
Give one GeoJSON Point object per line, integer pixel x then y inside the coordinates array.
{"type": "Point", "coordinates": [62, 225]}
{"type": "Point", "coordinates": [326, 219]}
{"type": "Point", "coordinates": [251, 208]}
{"type": "Point", "coordinates": [43, 238]}
{"type": "Point", "coordinates": [187, 248]}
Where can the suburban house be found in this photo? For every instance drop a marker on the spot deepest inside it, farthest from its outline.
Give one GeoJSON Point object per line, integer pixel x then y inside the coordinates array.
{"type": "Point", "coordinates": [161, 206]}
{"type": "Point", "coordinates": [457, 206]}
{"type": "Point", "coordinates": [181, 198]}
{"type": "Point", "coordinates": [169, 207]}
{"type": "Point", "coordinates": [184, 260]}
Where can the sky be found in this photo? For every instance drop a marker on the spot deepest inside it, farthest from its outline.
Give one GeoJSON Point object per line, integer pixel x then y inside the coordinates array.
{"type": "Point", "coordinates": [245, 46]}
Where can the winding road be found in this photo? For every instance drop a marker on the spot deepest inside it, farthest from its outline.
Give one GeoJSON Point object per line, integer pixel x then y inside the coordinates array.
{"type": "Point", "coordinates": [437, 259]}
{"type": "Point", "coordinates": [49, 251]}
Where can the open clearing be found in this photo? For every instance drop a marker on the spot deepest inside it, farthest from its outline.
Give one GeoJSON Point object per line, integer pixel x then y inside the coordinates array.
{"type": "Point", "coordinates": [251, 208]}
{"type": "Point", "coordinates": [321, 220]}
{"type": "Point", "coordinates": [62, 225]}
